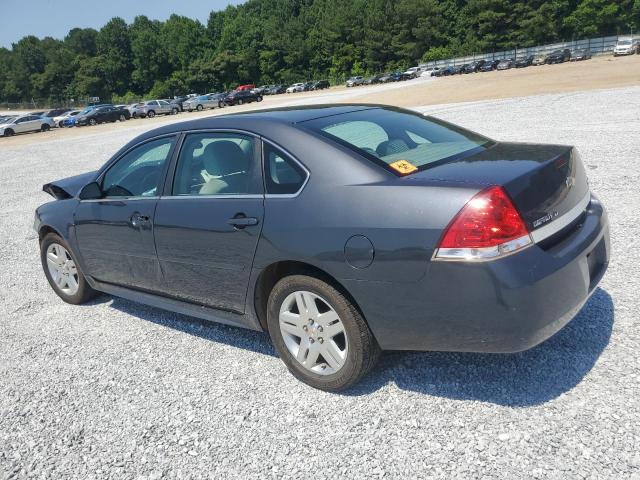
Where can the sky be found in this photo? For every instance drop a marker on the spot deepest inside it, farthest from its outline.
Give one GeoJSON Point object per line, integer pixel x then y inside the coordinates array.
{"type": "Point", "coordinates": [54, 18]}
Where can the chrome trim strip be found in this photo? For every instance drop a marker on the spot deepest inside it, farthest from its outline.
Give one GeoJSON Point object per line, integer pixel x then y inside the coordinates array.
{"type": "Point", "coordinates": [117, 199]}
{"type": "Point", "coordinates": [482, 254]}
{"type": "Point", "coordinates": [561, 222]}
{"type": "Point", "coordinates": [190, 197]}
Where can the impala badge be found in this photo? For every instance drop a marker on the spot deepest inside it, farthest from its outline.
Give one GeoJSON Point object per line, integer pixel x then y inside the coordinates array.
{"type": "Point", "coordinates": [547, 218]}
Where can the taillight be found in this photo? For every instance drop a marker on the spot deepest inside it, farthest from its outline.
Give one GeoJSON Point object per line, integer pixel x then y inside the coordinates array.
{"type": "Point", "coordinates": [487, 227]}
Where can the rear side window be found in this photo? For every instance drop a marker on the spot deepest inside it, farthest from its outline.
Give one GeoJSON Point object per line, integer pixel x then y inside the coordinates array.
{"type": "Point", "coordinates": [283, 175]}
{"type": "Point", "coordinates": [217, 163]}
{"type": "Point", "coordinates": [402, 142]}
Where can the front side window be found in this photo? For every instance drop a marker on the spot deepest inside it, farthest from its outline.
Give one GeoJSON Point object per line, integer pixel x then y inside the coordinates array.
{"type": "Point", "coordinates": [282, 174]}
{"type": "Point", "coordinates": [217, 163]}
{"type": "Point", "coordinates": [402, 142]}
{"type": "Point", "coordinates": [139, 172]}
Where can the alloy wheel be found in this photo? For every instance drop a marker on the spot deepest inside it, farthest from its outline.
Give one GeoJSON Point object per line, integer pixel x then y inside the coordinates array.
{"type": "Point", "coordinates": [313, 332]}
{"type": "Point", "coordinates": [62, 269]}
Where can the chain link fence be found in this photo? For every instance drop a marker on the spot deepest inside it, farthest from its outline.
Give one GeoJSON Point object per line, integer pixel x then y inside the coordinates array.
{"type": "Point", "coordinates": [598, 46]}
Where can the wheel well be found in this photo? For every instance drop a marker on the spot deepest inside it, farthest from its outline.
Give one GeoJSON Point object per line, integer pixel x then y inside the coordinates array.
{"type": "Point", "coordinates": [277, 271]}
{"type": "Point", "coordinates": [44, 231]}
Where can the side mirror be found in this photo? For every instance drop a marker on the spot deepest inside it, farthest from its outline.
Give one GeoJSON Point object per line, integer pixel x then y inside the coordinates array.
{"type": "Point", "coordinates": [90, 191]}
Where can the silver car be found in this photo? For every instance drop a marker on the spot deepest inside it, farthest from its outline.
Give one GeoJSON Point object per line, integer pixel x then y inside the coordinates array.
{"type": "Point", "coordinates": [211, 100]}
{"type": "Point", "coordinates": [151, 108]}
{"type": "Point", "coordinates": [24, 123]}
{"type": "Point", "coordinates": [355, 81]}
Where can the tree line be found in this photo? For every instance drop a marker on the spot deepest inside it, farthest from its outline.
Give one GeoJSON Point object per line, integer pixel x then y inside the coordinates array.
{"type": "Point", "coordinates": [284, 41]}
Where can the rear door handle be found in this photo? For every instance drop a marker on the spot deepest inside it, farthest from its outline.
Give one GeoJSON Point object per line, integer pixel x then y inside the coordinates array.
{"type": "Point", "coordinates": [240, 221]}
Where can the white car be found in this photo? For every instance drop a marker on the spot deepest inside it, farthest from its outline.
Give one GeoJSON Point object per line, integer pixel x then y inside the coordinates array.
{"type": "Point", "coordinates": [430, 72]}
{"type": "Point", "coordinates": [23, 124]}
{"type": "Point", "coordinates": [625, 46]}
{"type": "Point", "coordinates": [59, 120]}
{"type": "Point", "coordinates": [296, 87]}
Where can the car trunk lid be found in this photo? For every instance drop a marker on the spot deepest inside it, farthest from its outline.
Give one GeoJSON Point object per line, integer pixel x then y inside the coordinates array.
{"type": "Point", "coordinates": [545, 182]}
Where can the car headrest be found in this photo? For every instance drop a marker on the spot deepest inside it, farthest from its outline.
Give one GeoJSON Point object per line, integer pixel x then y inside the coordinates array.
{"type": "Point", "coordinates": [389, 147]}
{"type": "Point", "coordinates": [224, 157]}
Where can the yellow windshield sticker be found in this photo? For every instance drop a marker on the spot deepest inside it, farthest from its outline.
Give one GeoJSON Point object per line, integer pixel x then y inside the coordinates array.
{"type": "Point", "coordinates": [403, 166]}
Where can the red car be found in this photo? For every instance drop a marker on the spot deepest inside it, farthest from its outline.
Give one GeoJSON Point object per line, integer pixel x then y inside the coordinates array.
{"type": "Point", "coordinates": [249, 86]}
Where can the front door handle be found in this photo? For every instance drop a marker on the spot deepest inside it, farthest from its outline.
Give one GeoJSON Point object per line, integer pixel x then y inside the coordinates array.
{"type": "Point", "coordinates": [138, 220]}
{"type": "Point", "coordinates": [242, 221]}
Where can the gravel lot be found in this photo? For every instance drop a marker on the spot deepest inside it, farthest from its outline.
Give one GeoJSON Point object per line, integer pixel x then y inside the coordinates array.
{"type": "Point", "coordinates": [118, 390]}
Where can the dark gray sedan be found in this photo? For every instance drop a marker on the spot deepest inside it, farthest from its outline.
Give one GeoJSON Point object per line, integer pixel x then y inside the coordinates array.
{"type": "Point", "coordinates": [340, 230]}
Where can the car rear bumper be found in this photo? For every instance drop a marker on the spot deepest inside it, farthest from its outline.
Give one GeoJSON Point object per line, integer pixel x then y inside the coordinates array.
{"type": "Point", "coordinates": [506, 305]}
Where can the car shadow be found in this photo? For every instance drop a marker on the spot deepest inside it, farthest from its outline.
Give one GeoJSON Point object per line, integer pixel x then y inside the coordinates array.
{"type": "Point", "coordinates": [522, 379]}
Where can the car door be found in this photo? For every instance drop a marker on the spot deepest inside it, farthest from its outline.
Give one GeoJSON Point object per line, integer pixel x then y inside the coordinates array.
{"type": "Point", "coordinates": [163, 106]}
{"type": "Point", "coordinates": [207, 226]}
{"type": "Point", "coordinates": [27, 124]}
{"type": "Point", "coordinates": [115, 233]}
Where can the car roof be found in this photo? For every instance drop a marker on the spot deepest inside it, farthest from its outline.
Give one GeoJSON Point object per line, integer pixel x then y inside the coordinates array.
{"type": "Point", "coordinates": [259, 121]}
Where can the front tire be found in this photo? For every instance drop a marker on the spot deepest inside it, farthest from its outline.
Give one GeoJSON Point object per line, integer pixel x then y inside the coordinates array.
{"type": "Point", "coordinates": [44, 128]}
{"type": "Point", "coordinates": [63, 272]}
{"type": "Point", "coordinates": [319, 334]}
{"type": "Point", "coordinates": [151, 114]}
{"type": "Point", "coordinates": [122, 117]}
{"type": "Point", "coordinates": [199, 108]}
{"type": "Point", "coordinates": [92, 122]}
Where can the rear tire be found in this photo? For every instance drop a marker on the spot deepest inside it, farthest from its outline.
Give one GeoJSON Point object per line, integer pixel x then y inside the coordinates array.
{"type": "Point", "coordinates": [199, 108]}
{"type": "Point", "coordinates": [259, 99]}
{"type": "Point", "coordinates": [9, 133]}
{"type": "Point", "coordinates": [92, 122]}
{"type": "Point", "coordinates": [342, 333]}
{"type": "Point", "coordinates": [240, 102]}
{"type": "Point", "coordinates": [151, 114]}
{"type": "Point", "coordinates": [174, 111]}
{"type": "Point", "coordinates": [122, 117]}
{"type": "Point", "coordinates": [44, 128]}
{"type": "Point", "coordinates": [70, 285]}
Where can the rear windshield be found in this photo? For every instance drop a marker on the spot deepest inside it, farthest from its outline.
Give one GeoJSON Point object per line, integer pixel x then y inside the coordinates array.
{"type": "Point", "coordinates": [400, 141]}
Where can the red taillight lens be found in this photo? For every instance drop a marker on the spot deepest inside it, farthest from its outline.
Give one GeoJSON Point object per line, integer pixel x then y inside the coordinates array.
{"type": "Point", "coordinates": [488, 220]}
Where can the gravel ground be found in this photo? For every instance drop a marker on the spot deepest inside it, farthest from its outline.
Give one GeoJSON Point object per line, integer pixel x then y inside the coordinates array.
{"type": "Point", "coordinates": [118, 390]}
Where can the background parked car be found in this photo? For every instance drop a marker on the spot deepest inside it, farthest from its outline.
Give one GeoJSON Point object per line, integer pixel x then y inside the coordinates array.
{"type": "Point", "coordinates": [539, 60]}
{"type": "Point", "coordinates": [210, 100]}
{"type": "Point", "coordinates": [355, 81]}
{"type": "Point", "coordinates": [296, 87]}
{"type": "Point", "coordinates": [179, 102]}
{"type": "Point", "coordinates": [558, 56]}
{"type": "Point", "coordinates": [277, 90]}
{"type": "Point", "coordinates": [59, 120]}
{"type": "Point", "coordinates": [320, 85]}
{"type": "Point", "coordinates": [524, 62]}
{"type": "Point", "coordinates": [102, 114]}
{"type": "Point", "coordinates": [151, 108]}
{"type": "Point", "coordinates": [626, 46]}
{"type": "Point", "coordinates": [56, 112]}
{"type": "Point", "coordinates": [238, 97]}
{"type": "Point", "coordinates": [308, 86]}
{"type": "Point", "coordinates": [473, 67]}
{"type": "Point", "coordinates": [505, 64]}
{"type": "Point", "coordinates": [489, 65]}
{"type": "Point", "coordinates": [413, 72]}
{"type": "Point", "coordinates": [430, 72]}
{"type": "Point", "coordinates": [580, 54]}
{"type": "Point", "coordinates": [24, 124]}
{"type": "Point", "coordinates": [247, 87]}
